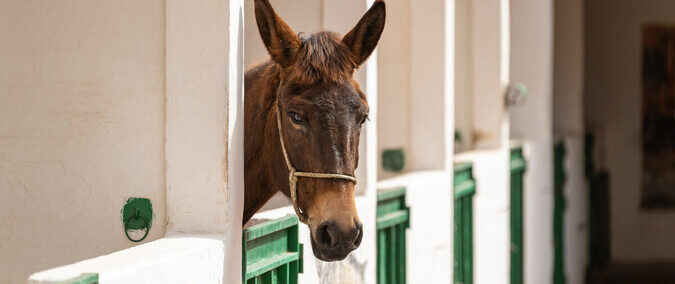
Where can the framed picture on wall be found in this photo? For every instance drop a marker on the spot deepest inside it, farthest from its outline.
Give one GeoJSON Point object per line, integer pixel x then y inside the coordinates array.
{"type": "Point", "coordinates": [658, 116]}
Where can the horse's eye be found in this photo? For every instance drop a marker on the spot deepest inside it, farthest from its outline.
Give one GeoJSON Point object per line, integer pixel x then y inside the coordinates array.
{"type": "Point", "coordinates": [295, 117]}
{"type": "Point", "coordinates": [364, 119]}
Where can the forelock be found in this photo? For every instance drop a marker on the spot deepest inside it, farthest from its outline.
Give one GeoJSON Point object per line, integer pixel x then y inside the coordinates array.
{"type": "Point", "coordinates": [323, 58]}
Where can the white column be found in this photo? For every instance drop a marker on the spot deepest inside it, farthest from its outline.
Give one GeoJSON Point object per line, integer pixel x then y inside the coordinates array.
{"type": "Point", "coordinates": [432, 84]}
{"type": "Point", "coordinates": [531, 64]}
{"type": "Point", "coordinates": [490, 23]}
{"type": "Point", "coordinates": [568, 126]}
{"type": "Point", "coordinates": [204, 122]}
{"type": "Point", "coordinates": [429, 256]}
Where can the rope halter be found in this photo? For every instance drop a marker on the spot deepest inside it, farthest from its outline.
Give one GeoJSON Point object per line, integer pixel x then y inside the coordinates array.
{"type": "Point", "coordinates": [293, 174]}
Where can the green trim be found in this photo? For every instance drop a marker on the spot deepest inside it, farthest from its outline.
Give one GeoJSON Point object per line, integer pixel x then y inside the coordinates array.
{"type": "Point", "coordinates": [559, 178]}
{"type": "Point", "coordinates": [465, 188]}
{"type": "Point", "coordinates": [263, 229]}
{"type": "Point", "coordinates": [517, 160]}
{"type": "Point", "coordinates": [85, 278]}
{"type": "Point", "coordinates": [393, 218]}
{"type": "Point", "coordinates": [390, 193]}
{"type": "Point", "coordinates": [271, 252]}
{"type": "Point", "coordinates": [518, 165]}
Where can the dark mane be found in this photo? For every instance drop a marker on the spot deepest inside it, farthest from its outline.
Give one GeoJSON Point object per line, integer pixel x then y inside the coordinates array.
{"type": "Point", "coordinates": [322, 58]}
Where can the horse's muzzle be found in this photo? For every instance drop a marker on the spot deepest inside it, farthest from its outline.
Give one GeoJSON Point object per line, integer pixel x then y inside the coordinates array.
{"type": "Point", "coordinates": [330, 242]}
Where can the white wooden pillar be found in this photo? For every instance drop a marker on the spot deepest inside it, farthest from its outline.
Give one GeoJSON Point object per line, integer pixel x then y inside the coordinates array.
{"type": "Point", "coordinates": [490, 23]}
{"type": "Point", "coordinates": [204, 122]}
{"type": "Point", "coordinates": [531, 64]}
{"type": "Point", "coordinates": [429, 256]}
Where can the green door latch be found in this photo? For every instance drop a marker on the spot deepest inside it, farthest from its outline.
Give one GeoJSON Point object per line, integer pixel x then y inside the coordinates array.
{"type": "Point", "coordinates": [137, 215]}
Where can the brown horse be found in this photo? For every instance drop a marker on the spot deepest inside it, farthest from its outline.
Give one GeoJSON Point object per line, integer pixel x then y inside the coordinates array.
{"type": "Point", "coordinates": [307, 90]}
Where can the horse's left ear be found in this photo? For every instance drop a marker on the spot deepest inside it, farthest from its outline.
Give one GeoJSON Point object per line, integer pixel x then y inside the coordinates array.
{"type": "Point", "coordinates": [363, 38]}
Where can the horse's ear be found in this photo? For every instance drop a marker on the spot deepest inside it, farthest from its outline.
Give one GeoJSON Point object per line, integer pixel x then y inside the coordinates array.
{"type": "Point", "coordinates": [363, 38]}
{"type": "Point", "coordinates": [281, 42]}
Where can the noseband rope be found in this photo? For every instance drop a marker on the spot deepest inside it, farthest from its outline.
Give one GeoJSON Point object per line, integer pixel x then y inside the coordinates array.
{"type": "Point", "coordinates": [294, 174]}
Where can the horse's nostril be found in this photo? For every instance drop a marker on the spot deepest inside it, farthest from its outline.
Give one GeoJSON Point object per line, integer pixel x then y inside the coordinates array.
{"type": "Point", "coordinates": [357, 242]}
{"type": "Point", "coordinates": [323, 236]}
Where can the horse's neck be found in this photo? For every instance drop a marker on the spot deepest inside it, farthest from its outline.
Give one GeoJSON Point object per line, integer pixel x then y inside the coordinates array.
{"type": "Point", "coordinates": [264, 165]}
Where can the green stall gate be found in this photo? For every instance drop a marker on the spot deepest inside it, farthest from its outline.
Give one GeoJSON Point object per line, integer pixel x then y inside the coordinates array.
{"type": "Point", "coordinates": [271, 252]}
{"type": "Point", "coordinates": [465, 189]}
{"type": "Point", "coordinates": [393, 219]}
{"type": "Point", "coordinates": [598, 208]}
{"type": "Point", "coordinates": [559, 178]}
{"type": "Point", "coordinates": [518, 165]}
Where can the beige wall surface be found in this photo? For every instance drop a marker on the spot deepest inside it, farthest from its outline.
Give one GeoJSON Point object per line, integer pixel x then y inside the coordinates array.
{"type": "Point", "coordinates": [301, 15]}
{"type": "Point", "coordinates": [612, 110]}
{"type": "Point", "coordinates": [568, 63]}
{"type": "Point", "coordinates": [81, 127]}
{"type": "Point", "coordinates": [394, 54]}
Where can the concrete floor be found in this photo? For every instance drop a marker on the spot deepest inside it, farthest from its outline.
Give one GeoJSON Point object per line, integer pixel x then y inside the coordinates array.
{"type": "Point", "coordinates": [634, 273]}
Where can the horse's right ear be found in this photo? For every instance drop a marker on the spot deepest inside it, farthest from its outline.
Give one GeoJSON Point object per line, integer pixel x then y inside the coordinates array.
{"type": "Point", "coordinates": [281, 42]}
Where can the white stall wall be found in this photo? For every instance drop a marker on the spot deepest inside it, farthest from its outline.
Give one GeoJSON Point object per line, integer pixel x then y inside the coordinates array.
{"type": "Point", "coordinates": [568, 80]}
{"type": "Point", "coordinates": [575, 226]}
{"type": "Point", "coordinates": [491, 214]}
{"type": "Point", "coordinates": [532, 65]}
{"type": "Point", "coordinates": [612, 110]}
{"type": "Point", "coordinates": [81, 127]}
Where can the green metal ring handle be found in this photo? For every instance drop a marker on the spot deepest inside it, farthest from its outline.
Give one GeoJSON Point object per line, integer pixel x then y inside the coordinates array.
{"type": "Point", "coordinates": [126, 227]}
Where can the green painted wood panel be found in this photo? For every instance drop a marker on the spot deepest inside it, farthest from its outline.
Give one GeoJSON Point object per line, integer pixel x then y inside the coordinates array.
{"type": "Point", "coordinates": [518, 166]}
{"type": "Point", "coordinates": [598, 208]}
{"type": "Point", "coordinates": [393, 219]}
{"type": "Point", "coordinates": [271, 252]}
{"type": "Point", "coordinates": [559, 178]}
{"type": "Point", "coordinates": [464, 190]}
{"type": "Point", "coordinates": [85, 278]}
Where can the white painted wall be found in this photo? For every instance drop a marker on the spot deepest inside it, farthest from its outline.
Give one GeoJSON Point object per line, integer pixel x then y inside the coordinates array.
{"type": "Point", "coordinates": [94, 93]}
{"type": "Point", "coordinates": [429, 239]}
{"type": "Point", "coordinates": [394, 75]}
{"type": "Point", "coordinates": [491, 214]}
{"type": "Point", "coordinates": [464, 111]}
{"type": "Point", "coordinates": [612, 110]}
{"type": "Point", "coordinates": [194, 259]}
{"type": "Point", "coordinates": [532, 65]}
{"type": "Point", "coordinates": [417, 114]}
{"type": "Point", "coordinates": [205, 127]}
{"type": "Point", "coordinates": [81, 128]}
{"type": "Point", "coordinates": [482, 73]}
